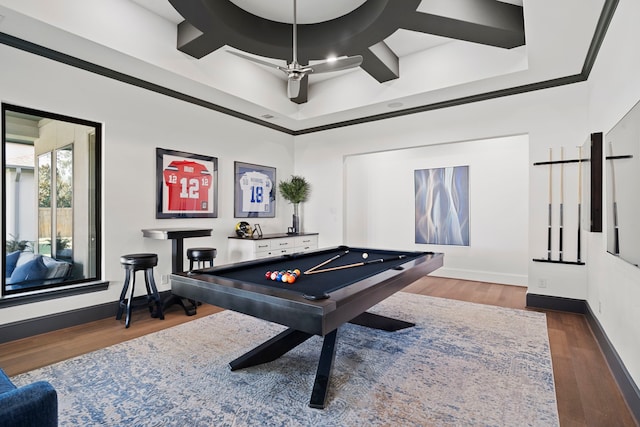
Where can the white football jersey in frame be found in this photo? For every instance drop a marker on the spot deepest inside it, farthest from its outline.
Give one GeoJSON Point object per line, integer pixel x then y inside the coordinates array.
{"type": "Point", "coordinates": [256, 192]}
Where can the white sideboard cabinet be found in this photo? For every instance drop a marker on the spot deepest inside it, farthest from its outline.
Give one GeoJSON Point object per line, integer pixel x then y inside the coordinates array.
{"type": "Point", "coordinates": [244, 249]}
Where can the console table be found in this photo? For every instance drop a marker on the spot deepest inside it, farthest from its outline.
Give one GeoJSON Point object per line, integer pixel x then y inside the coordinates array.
{"type": "Point", "coordinates": [177, 236]}
{"type": "Point", "coordinates": [244, 249]}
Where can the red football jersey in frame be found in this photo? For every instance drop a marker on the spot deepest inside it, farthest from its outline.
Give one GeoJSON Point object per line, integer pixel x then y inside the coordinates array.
{"type": "Point", "coordinates": [188, 184]}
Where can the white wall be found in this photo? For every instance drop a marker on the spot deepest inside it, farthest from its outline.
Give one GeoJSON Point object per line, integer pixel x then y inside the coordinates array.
{"type": "Point", "coordinates": [25, 188]}
{"type": "Point", "coordinates": [135, 122]}
{"type": "Point", "coordinates": [380, 205]}
{"type": "Point", "coordinates": [551, 118]}
{"type": "Point", "coordinates": [614, 285]}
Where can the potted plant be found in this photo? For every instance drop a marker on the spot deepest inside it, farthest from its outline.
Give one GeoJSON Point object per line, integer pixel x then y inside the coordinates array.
{"type": "Point", "coordinates": [13, 244]}
{"type": "Point", "coordinates": [295, 191]}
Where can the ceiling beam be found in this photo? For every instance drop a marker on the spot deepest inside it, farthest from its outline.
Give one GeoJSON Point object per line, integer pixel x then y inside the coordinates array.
{"type": "Point", "coordinates": [487, 22]}
{"type": "Point", "coordinates": [381, 63]}
{"type": "Point", "coordinates": [212, 24]}
{"type": "Point", "coordinates": [194, 42]}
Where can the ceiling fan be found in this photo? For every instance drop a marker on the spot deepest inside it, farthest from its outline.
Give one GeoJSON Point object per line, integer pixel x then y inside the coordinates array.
{"type": "Point", "coordinates": [296, 72]}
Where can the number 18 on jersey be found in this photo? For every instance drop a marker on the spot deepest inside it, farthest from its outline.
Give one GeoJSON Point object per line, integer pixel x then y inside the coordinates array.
{"type": "Point", "coordinates": [256, 192]}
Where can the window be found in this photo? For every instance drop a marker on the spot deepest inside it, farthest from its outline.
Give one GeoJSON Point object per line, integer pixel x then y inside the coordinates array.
{"type": "Point", "coordinates": [51, 191]}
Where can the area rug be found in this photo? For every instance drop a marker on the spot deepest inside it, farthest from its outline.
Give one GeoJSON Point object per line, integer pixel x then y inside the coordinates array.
{"type": "Point", "coordinates": [463, 364]}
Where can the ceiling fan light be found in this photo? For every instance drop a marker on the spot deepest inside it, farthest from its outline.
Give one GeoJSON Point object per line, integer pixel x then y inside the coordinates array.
{"type": "Point", "coordinates": [293, 88]}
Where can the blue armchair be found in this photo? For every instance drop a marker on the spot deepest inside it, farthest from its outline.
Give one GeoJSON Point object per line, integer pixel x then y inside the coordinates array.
{"type": "Point", "coordinates": [31, 405]}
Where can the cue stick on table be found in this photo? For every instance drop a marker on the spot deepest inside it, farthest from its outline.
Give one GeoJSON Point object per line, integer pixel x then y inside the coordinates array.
{"type": "Point", "coordinates": [326, 262]}
{"type": "Point", "coordinates": [579, 198]}
{"type": "Point", "coordinates": [561, 222]}
{"type": "Point", "coordinates": [357, 264]}
{"type": "Point", "coordinates": [550, 200]}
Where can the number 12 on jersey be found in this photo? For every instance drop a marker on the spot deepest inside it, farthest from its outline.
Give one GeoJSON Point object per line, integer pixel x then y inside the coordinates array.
{"type": "Point", "coordinates": [188, 184]}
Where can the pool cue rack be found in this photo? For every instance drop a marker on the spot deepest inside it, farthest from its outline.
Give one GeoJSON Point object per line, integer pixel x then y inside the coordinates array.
{"type": "Point", "coordinates": [560, 226]}
{"type": "Point", "coordinates": [556, 162]}
{"type": "Point", "coordinates": [557, 261]}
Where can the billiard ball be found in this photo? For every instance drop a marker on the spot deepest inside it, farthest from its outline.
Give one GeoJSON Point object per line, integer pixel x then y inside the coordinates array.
{"type": "Point", "coordinates": [365, 255]}
{"type": "Point", "coordinates": [268, 275]}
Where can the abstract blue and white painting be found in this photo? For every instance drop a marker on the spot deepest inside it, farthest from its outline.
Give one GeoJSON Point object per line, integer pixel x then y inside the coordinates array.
{"type": "Point", "coordinates": [442, 206]}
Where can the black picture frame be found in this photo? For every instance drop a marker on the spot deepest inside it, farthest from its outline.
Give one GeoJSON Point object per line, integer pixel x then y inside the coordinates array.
{"type": "Point", "coordinates": [254, 201]}
{"type": "Point", "coordinates": [180, 179]}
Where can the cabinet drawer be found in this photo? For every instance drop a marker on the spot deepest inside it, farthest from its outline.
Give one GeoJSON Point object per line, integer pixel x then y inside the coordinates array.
{"type": "Point", "coordinates": [307, 242]}
{"type": "Point", "coordinates": [277, 244]}
{"type": "Point", "coordinates": [273, 252]}
{"type": "Point", "coordinates": [262, 245]}
{"type": "Point", "coordinates": [263, 254]}
{"type": "Point", "coordinates": [282, 251]}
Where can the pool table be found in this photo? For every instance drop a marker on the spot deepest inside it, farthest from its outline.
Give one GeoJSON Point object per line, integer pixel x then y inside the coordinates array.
{"type": "Point", "coordinates": [341, 285]}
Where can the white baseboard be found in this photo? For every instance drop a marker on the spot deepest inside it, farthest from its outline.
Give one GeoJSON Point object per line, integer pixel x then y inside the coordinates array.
{"type": "Point", "coordinates": [482, 276]}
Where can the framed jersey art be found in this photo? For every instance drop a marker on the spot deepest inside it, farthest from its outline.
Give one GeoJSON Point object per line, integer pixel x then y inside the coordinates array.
{"type": "Point", "coordinates": [255, 194]}
{"type": "Point", "coordinates": [187, 185]}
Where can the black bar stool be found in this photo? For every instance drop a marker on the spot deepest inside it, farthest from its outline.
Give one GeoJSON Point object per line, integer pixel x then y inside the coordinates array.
{"type": "Point", "coordinates": [131, 264]}
{"type": "Point", "coordinates": [201, 255]}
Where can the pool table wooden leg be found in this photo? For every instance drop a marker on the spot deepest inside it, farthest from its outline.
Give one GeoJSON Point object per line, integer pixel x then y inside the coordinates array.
{"type": "Point", "coordinates": [321, 384]}
{"type": "Point", "coordinates": [377, 321]}
{"type": "Point", "coordinates": [271, 350]}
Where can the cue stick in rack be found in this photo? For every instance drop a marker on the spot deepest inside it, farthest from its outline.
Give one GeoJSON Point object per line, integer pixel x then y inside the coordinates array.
{"type": "Point", "coordinates": [357, 264]}
{"type": "Point", "coordinates": [561, 223]}
{"type": "Point", "coordinates": [579, 198]}
{"type": "Point", "coordinates": [616, 236]}
{"type": "Point", "coordinates": [550, 200]}
{"type": "Point", "coordinates": [326, 262]}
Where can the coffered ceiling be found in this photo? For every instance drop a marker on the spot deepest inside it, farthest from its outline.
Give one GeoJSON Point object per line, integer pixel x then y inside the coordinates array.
{"type": "Point", "coordinates": [417, 54]}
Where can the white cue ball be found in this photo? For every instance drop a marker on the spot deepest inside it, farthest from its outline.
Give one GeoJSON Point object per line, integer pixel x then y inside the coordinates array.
{"type": "Point", "coordinates": [365, 255]}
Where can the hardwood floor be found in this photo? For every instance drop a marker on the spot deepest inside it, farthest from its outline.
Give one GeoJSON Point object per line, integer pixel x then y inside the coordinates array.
{"type": "Point", "coordinates": [586, 392]}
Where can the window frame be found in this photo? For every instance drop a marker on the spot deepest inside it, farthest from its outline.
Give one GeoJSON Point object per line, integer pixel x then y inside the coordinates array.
{"type": "Point", "coordinates": [67, 287]}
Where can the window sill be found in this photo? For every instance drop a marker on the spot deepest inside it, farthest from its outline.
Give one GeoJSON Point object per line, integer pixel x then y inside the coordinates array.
{"type": "Point", "coordinates": [49, 294]}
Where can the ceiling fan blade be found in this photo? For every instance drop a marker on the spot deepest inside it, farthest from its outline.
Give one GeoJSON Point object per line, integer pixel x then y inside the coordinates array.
{"type": "Point", "coordinates": [257, 61]}
{"type": "Point", "coordinates": [293, 88]}
{"type": "Point", "coordinates": [337, 65]}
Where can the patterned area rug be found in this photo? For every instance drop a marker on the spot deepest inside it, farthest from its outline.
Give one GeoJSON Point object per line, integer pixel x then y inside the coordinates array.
{"type": "Point", "coordinates": [462, 364]}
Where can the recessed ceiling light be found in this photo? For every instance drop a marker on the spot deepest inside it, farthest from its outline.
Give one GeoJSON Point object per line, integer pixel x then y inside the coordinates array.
{"type": "Point", "coordinates": [395, 105]}
{"type": "Point", "coordinates": [267, 116]}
